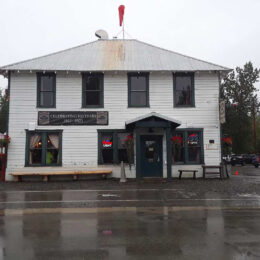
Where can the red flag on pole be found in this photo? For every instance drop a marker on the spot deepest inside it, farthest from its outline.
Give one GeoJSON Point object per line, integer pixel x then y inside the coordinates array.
{"type": "Point", "coordinates": [121, 10]}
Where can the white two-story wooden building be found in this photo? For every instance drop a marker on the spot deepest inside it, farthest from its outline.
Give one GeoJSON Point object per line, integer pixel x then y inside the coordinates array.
{"type": "Point", "coordinates": [75, 109]}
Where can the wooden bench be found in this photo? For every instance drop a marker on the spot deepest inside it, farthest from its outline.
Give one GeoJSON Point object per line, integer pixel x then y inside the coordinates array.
{"type": "Point", "coordinates": [75, 174]}
{"type": "Point", "coordinates": [194, 173]}
{"type": "Point", "coordinates": [219, 171]}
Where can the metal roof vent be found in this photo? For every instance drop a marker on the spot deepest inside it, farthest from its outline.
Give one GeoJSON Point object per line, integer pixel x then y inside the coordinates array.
{"type": "Point", "coordinates": [102, 34]}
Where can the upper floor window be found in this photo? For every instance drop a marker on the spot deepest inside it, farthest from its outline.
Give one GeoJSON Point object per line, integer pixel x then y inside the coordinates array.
{"type": "Point", "coordinates": [92, 90]}
{"type": "Point", "coordinates": [184, 90]}
{"type": "Point", "coordinates": [46, 90]}
{"type": "Point", "coordinates": [138, 90]}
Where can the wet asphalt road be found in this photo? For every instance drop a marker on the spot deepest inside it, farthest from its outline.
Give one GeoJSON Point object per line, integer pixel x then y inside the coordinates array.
{"type": "Point", "coordinates": [181, 219]}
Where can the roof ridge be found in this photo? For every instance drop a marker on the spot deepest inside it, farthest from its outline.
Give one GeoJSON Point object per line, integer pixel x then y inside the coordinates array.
{"type": "Point", "coordinates": [46, 55]}
{"type": "Point", "coordinates": [187, 56]}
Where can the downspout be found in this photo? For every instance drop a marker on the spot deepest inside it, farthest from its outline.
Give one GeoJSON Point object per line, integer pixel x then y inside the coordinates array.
{"type": "Point", "coordinates": [220, 125]}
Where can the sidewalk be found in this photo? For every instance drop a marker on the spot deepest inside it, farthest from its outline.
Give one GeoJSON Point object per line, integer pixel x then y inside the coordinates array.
{"type": "Point", "coordinates": [248, 181]}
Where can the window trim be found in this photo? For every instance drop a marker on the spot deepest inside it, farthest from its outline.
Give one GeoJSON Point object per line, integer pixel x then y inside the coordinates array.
{"type": "Point", "coordinates": [114, 132]}
{"type": "Point", "coordinates": [44, 148]}
{"type": "Point", "coordinates": [39, 75]}
{"type": "Point", "coordinates": [84, 77]}
{"type": "Point", "coordinates": [144, 74]}
{"type": "Point", "coordinates": [181, 74]}
{"type": "Point", "coordinates": [185, 136]}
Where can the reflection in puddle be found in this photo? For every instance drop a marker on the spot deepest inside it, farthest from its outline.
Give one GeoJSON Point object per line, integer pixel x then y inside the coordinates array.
{"type": "Point", "coordinates": [130, 232]}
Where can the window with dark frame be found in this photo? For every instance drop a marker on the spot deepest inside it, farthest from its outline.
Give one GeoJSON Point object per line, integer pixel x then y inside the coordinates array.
{"type": "Point", "coordinates": [184, 90]}
{"type": "Point", "coordinates": [35, 149]}
{"type": "Point", "coordinates": [194, 146]}
{"type": "Point", "coordinates": [178, 148]}
{"type": "Point", "coordinates": [121, 147]}
{"type": "Point", "coordinates": [107, 145]}
{"type": "Point", "coordinates": [43, 148]}
{"type": "Point", "coordinates": [92, 90]}
{"type": "Point", "coordinates": [46, 90]}
{"type": "Point", "coordinates": [187, 147]}
{"type": "Point", "coordinates": [112, 147]}
{"type": "Point", "coordinates": [138, 90]}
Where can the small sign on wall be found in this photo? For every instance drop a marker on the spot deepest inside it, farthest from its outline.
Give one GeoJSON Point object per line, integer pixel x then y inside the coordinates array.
{"type": "Point", "coordinates": [211, 147]}
{"type": "Point", "coordinates": [222, 112]}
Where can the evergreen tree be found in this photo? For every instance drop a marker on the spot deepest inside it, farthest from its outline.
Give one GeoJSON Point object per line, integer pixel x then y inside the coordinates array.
{"type": "Point", "coordinates": [3, 110]}
{"type": "Point", "coordinates": [258, 131]}
{"type": "Point", "coordinates": [239, 93]}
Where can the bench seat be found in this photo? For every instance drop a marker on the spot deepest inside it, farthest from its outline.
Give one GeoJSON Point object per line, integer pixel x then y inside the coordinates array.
{"type": "Point", "coordinates": [194, 173]}
{"type": "Point", "coordinates": [75, 174]}
{"type": "Point", "coordinates": [214, 169]}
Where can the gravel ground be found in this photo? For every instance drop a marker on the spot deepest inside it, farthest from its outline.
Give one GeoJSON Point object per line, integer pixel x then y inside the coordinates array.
{"type": "Point", "coordinates": [248, 181]}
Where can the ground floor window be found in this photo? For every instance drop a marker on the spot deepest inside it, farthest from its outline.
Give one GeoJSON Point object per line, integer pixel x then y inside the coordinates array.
{"type": "Point", "coordinates": [115, 146]}
{"type": "Point", "coordinates": [107, 148]}
{"type": "Point", "coordinates": [43, 148]}
{"type": "Point", "coordinates": [187, 146]}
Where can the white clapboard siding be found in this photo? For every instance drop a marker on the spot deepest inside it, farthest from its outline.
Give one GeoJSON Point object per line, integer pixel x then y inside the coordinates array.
{"type": "Point", "coordinates": [80, 142]}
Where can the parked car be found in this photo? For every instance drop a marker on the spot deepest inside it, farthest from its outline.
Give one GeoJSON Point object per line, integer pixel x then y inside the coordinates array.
{"type": "Point", "coordinates": [237, 159]}
{"type": "Point", "coordinates": [248, 158]}
{"type": "Point", "coordinates": [256, 160]}
{"type": "Point", "coordinates": [227, 158]}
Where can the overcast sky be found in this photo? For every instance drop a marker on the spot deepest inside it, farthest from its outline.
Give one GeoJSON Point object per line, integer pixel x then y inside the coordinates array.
{"type": "Point", "coordinates": [226, 32]}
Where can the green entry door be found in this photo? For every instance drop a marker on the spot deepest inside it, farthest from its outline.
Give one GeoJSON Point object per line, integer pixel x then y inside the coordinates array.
{"type": "Point", "coordinates": [151, 156]}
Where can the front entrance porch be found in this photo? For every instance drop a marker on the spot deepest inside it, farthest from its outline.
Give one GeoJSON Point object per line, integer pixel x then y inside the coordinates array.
{"type": "Point", "coordinates": [149, 131]}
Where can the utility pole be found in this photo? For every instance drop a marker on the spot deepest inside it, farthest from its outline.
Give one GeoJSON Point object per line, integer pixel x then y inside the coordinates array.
{"type": "Point", "coordinates": [254, 125]}
{"type": "Point", "coordinates": [254, 111]}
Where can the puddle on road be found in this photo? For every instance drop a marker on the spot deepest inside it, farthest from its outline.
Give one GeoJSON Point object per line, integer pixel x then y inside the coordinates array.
{"type": "Point", "coordinates": [248, 195]}
{"type": "Point", "coordinates": [109, 195]}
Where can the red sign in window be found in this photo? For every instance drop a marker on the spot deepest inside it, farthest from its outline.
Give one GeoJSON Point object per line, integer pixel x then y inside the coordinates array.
{"type": "Point", "coordinates": [107, 143]}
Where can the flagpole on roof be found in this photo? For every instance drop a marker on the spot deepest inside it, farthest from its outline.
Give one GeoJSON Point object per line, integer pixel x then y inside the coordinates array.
{"type": "Point", "coordinates": [123, 29]}
{"type": "Point", "coordinates": [121, 10]}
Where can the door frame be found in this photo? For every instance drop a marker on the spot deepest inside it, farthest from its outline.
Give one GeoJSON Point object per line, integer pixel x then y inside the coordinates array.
{"type": "Point", "coordinates": [138, 154]}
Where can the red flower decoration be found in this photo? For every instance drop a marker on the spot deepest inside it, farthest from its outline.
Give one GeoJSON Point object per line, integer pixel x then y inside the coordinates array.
{"type": "Point", "coordinates": [129, 138]}
{"type": "Point", "coordinates": [4, 140]}
{"type": "Point", "coordinates": [177, 139]}
{"type": "Point", "coordinates": [227, 140]}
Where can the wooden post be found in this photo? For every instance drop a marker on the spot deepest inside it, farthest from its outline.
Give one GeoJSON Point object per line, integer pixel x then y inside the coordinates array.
{"type": "Point", "coordinates": [138, 154]}
{"type": "Point", "coordinates": [123, 177]}
{"type": "Point", "coordinates": [169, 153]}
{"type": "Point", "coordinates": [254, 125]}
